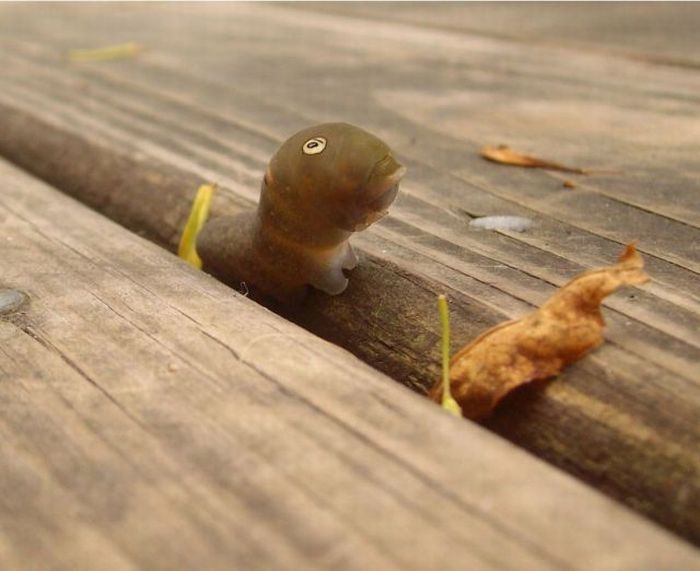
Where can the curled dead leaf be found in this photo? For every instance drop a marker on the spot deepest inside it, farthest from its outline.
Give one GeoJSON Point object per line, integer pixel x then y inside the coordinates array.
{"type": "Point", "coordinates": [541, 344]}
{"type": "Point", "coordinates": [505, 155]}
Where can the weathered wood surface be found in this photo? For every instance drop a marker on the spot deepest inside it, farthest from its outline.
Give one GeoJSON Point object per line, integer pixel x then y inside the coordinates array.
{"type": "Point", "coordinates": [151, 418]}
{"type": "Point", "coordinates": [221, 86]}
{"type": "Point", "coordinates": [649, 31]}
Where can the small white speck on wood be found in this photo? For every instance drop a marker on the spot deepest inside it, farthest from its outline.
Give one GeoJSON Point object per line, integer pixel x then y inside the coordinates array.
{"type": "Point", "coordinates": [511, 223]}
{"type": "Point", "coordinates": [11, 300]}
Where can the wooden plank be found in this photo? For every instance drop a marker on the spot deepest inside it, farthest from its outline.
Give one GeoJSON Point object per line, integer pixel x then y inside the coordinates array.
{"type": "Point", "coordinates": [186, 111]}
{"type": "Point", "coordinates": [648, 31]}
{"type": "Point", "coordinates": [154, 419]}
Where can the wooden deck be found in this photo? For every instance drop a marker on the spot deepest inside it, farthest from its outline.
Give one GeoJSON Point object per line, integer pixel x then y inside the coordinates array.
{"type": "Point", "coordinates": [152, 418]}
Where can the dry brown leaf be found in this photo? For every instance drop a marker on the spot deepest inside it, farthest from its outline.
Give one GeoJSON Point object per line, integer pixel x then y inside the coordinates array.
{"type": "Point", "coordinates": [505, 155]}
{"type": "Point", "coordinates": [540, 344]}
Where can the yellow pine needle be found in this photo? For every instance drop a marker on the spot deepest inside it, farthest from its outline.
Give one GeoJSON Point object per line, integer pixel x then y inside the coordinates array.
{"type": "Point", "coordinates": [448, 403]}
{"type": "Point", "coordinates": [198, 216]}
{"type": "Point", "coordinates": [118, 51]}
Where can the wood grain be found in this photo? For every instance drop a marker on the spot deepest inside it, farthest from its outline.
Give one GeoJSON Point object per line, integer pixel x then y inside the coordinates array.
{"type": "Point", "coordinates": [642, 31]}
{"type": "Point", "coordinates": [218, 88]}
{"type": "Point", "coordinates": [153, 419]}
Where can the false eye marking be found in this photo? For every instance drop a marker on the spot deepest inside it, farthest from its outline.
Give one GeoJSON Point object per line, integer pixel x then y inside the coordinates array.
{"type": "Point", "coordinates": [314, 146]}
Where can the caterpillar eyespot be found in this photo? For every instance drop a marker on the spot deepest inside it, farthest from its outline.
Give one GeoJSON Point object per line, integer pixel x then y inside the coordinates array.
{"type": "Point", "coordinates": [314, 146]}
